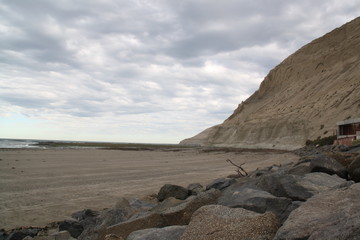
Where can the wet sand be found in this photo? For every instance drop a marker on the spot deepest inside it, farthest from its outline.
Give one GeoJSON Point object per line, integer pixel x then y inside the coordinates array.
{"type": "Point", "coordinates": [38, 186]}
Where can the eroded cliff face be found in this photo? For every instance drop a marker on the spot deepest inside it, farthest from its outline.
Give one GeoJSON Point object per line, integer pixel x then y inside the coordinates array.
{"type": "Point", "coordinates": [300, 99]}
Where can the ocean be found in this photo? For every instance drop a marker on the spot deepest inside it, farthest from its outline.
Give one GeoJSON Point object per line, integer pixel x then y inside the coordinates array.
{"type": "Point", "coordinates": [19, 143]}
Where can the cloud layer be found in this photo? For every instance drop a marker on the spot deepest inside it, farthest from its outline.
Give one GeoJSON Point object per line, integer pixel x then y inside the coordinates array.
{"type": "Point", "coordinates": [144, 71]}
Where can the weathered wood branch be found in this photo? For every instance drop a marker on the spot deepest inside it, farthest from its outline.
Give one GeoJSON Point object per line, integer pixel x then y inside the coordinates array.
{"type": "Point", "coordinates": [240, 170]}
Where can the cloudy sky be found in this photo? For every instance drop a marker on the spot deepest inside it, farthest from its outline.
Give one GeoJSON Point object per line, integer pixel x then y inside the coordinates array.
{"type": "Point", "coordinates": [144, 70]}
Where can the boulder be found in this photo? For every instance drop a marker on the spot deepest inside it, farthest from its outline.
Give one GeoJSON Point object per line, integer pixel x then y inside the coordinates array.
{"type": "Point", "coordinates": [220, 183]}
{"type": "Point", "coordinates": [73, 227]}
{"type": "Point", "coordinates": [299, 188]}
{"type": "Point", "coordinates": [257, 200]}
{"type": "Point", "coordinates": [166, 233]}
{"type": "Point", "coordinates": [195, 188]}
{"type": "Point", "coordinates": [3, 234]}
{"type": "Point", "coordinates": [112, 237]}
{"type": "Point", "coordinates": [169, 190]}
{"type": "Point", "coordinates": [140, 204]}
{"type": "Point", "coordinates": [61, 235]}
{"type": "Point", "coordinates": [166, 204]}
{"type": "Point", "coordinates": [95, 227]}
{"type": "Point", "coordinates": [151, 220]}
{"type": "Point", "coordinates": [327, 215]}
{"type": "Point", "coordinates": [22, 233]}
{"type": "Point", "coordinates": [215, 222]}
{"type": "Point", "coordinates": [181, 214]}
{"type": "Point", "coordinates": [326, 164]}
{"type": "Point", "coordinates": [354, 169]}
{"type": "Point", "coordinates": [84, 214]}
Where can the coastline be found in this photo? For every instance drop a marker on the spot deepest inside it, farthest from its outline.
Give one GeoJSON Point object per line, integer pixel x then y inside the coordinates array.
{"type": "Point", "coordinates": [44, 185]}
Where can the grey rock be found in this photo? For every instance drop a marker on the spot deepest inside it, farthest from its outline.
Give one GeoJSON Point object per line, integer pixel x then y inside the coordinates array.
{"type": "Point", "coordinates": [195, 188]}
{"type": "Point", "coordinates": [83, 214]}
{"type": "Point", "coordinates": [327, 215]}
{"type": "Point", "coordinates": [169, 190]}
{"type": "Point", "coordinates": [354, 169]}
{"type": "Point", "coordinates": [326, 164]}
{"type": "Point", "coordinates": [150, 220]}
{"type": "Point", "coordinates": [28, 238]}
{"type": "Point", "coordinates": [179, 214]}
{"type": "Point", "coordinates": [220, 183]}
{"type": "Point", "coordinates": [3, 235]}
{"type": "Point", "coordinates": [22, 233]}
{"type": "Point", "coordinates": [166, 233]}
{"type": "Point", "coordinates": [73, 227]}
{"type": "Point", "coordinates": [299, 188]}
{"type": "Point", "coordinates": [95, 227]}
{"type": "Point", "coordinates": [257, 200]}
{"type": "Point", "coordinates": [141, 204]}
{"type": "Point", "coordinates": [166, 204]}
{"type": "Point", "coordinates": [213, 222]}
{"type": "Point", "coordinates": [61, 235]}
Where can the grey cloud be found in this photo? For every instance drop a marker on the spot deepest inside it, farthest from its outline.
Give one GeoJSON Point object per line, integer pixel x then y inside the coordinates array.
{"type": "Point", "coordinates": [131, 59]}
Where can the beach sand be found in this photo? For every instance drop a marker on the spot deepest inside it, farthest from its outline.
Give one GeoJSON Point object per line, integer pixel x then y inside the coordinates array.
{"type": "Point", "coordinates": [38, 186]}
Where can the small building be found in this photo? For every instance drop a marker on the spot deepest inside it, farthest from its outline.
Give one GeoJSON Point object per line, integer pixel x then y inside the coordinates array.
{"type": "Point", "coordinates": [348, 131]}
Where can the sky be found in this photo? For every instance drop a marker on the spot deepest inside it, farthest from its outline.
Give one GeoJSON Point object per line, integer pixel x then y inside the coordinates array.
{"type": "Point", "coordinates": [149, 71]}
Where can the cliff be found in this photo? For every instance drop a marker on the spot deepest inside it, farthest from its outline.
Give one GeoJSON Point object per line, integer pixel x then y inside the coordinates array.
{"type": "Point", "coordinates": [302, 98]}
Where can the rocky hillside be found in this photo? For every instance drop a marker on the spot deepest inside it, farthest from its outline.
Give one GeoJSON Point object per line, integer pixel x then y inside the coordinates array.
{"type": "Point", "coordinates": [300, 99]}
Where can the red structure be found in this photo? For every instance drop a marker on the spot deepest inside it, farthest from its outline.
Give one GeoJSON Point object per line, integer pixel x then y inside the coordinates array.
{"type": "Point", "coordinates": [348, 131]}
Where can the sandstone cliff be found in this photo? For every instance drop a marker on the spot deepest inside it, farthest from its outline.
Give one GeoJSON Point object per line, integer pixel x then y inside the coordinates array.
{"type": "Point", "coordinates": [301, 98]}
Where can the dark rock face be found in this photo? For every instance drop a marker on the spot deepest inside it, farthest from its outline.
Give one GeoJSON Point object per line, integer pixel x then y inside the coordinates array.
{"type": "Point", "coordinates": [256, 200]}
{"type": "Point", "coordinates": [354, 169]}
{"type": "Point", "coordinates": [328, 215]}
{"type": "Point", "coordinates": [179, 214]}
{"type": "Point", "coordinates": [166, 233]}
{"type": "Point", "coordinates": [195, 188]}
{"type": "Point", "coordinates": [95, 227]}
{"type": "Point", "coordinates": [322, 163]}
{"type": "Point", "coordinates": [20, 234]}
{"type": "Point", "coordinates": [169, 190]}
{"type": "Point", "coordinates": [73, 227]}
{"type": "Point", "coordinates": [299, 188]}
{"type": "Point", "coordinates": [215, 222]}
{"type": "Point", "coordinates": [220, 183]}
{"type": "Point", "coordinates": [84, 214]}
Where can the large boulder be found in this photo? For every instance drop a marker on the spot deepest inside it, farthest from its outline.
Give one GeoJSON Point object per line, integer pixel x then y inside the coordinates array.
{"type": "Point", "coordinates": [179, 214]}
{"type": "Point", "coordinates": [195, 188]}
{"type": "Point", "coordinates": [22, 233]}
{"type": "Point", "coordinates": [84, 214]}
{"type": "Point", "coordinates": [326, 164]}
{"type": "Point", "coordinates": [299, 188]}
{"type": "Point", "coordinates": [220, 183]}
{"type": "Point", "coordinates": [73, 227]}
{"type": "Point", "coordinates": [166, 233]}
{"type": "Point", "coordinates": [215, 222]}
{"type": "Point", "coordinates": [169, 190]}
{"type": "Point", "coordinates": [257, 200]}
{"type": "Point", "coordinates": [151, 220]}
{"type": "Point", "coordinates": [354, 169]}
{"type": "Point", "coordinates": [327, 215]}
{"type": "Point", "coordinates": [95, 224]}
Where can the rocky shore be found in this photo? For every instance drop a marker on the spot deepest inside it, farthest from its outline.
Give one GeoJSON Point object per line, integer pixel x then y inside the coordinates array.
{"type": "Point", "coordinates": [314, 198]}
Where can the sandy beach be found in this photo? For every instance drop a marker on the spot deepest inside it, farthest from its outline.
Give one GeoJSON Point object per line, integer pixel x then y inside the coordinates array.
{"type": "Point", "coordinates": [38, 186]}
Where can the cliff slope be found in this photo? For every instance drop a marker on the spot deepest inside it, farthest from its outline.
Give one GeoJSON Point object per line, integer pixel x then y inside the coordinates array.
{"type": "Point", "coordinates": [301, 98]}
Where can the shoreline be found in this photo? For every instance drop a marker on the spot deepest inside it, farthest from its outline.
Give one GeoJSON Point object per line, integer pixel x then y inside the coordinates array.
{"type": "Point", "coordinates": [40, 186]}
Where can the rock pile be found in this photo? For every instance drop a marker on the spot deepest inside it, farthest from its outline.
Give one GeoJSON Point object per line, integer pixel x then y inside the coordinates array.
{"type": "Point", "coordinates": [315, 198]}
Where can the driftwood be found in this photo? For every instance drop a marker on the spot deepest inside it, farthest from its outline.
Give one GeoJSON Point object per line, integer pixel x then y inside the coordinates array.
{"type": "Point", "coordinates": [240, 170]}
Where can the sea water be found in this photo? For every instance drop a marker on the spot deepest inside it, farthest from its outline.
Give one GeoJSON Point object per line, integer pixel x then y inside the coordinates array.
{"type": "Point", "coordinates": [18, 143]}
